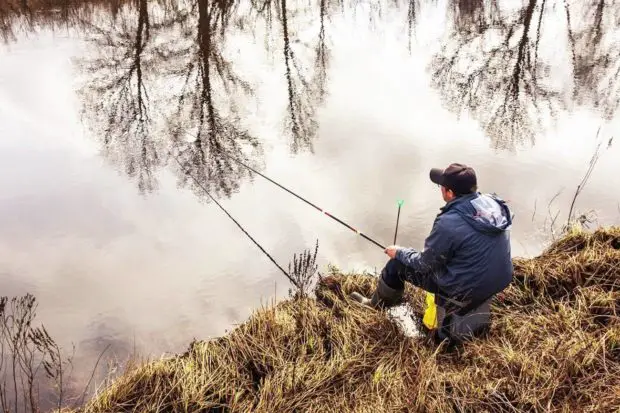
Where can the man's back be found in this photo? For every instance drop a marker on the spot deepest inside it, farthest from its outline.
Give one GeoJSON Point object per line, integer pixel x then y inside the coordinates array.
{"type": "Point", "coordinates": [479, 262]}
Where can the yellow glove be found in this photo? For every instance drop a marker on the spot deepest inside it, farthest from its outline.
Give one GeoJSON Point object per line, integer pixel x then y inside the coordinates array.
{"type": "Point", "coordinates": [430, 312]}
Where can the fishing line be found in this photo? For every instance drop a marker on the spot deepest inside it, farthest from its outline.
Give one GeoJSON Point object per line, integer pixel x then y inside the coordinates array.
{"type": "Point", "coordinates": [235, 221]}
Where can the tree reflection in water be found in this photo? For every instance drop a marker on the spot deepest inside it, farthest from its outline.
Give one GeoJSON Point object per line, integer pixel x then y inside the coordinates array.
{"type": "Point", "coordinates": [160, 81]}
{"type": "Point", "coordinates": [490, 65]}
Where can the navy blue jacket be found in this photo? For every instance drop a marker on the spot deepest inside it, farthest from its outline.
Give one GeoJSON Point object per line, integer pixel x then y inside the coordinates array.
{"type": "Point", "coordinates": [468, 250]}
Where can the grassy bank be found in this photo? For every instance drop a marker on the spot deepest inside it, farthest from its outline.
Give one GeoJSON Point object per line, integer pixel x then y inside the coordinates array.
{"type": "Point", "coordinates": [554, 346]}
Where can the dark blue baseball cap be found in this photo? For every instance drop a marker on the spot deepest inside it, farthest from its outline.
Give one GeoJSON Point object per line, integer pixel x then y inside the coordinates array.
{"type": "Point", "coordinates": [459, 178]}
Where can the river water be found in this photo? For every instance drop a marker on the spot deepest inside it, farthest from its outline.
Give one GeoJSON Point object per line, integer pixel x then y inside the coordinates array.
{"type": "Point", "coordinates": [100, 223]}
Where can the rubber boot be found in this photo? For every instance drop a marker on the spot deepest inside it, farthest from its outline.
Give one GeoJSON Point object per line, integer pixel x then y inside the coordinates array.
{"type": "Point", "coordinates": [384, 296]}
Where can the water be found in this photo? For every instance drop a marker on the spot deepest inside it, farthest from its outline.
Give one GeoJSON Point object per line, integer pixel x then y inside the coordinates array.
{"type": "Point", "coordinates": [102, 226]}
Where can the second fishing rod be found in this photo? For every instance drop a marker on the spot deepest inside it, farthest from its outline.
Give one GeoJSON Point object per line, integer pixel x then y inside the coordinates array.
{"type": "Point", "coordinates": [311, 204]}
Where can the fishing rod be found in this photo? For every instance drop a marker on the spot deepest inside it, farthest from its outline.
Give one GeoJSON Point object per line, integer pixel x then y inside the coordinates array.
{"type": "Point", "coordinates": [400, 203]}
{"type": "Point", "coordinates": [291, 279]}
{"type": "Point", "coordinates": [306, 201]}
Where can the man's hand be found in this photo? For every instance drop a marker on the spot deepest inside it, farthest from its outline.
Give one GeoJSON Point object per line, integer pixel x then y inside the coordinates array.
{"type": "Point", "coordinates": [391, 251]}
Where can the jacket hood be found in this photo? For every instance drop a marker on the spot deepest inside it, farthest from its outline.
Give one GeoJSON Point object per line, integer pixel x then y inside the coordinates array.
{"type": "Point", "coordinates": [484, 212]}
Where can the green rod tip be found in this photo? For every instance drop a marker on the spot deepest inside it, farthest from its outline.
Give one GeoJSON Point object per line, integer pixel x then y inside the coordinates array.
{"type": "Point", "coordinates": [400, 202]}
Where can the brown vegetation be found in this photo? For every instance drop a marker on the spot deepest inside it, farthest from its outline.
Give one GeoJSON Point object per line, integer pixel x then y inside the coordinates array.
{"type": "Point", "coordinates": [554, 346]}
{"type": "Point", "coordinates": [32, 368]}
{"type": "Point", "coordinates": [25, 16]}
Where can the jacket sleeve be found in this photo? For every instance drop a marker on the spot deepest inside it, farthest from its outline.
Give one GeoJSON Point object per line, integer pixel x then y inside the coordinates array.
{"type": "Point", "coordinates": [438, 248]}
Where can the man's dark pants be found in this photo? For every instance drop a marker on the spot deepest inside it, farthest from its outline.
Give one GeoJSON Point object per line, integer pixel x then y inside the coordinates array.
{"type": "Point", "coordinates": [396, 273]}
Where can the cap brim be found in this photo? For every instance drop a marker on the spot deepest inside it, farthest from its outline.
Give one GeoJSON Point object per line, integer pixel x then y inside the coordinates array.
{"type": "Point", "coordinates": [436, 176]}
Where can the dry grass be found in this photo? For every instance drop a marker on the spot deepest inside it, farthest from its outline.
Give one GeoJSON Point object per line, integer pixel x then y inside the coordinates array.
{"type": "Point", "coordinates": [554, 346]}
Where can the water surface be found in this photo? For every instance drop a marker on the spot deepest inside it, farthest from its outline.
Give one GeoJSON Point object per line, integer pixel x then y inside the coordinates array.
{"type": "Point", "coordinates": [348, 105]}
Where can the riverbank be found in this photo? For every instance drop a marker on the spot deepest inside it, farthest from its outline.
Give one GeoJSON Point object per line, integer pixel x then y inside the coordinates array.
{"type": "Point", "coordinates": [554, 346]}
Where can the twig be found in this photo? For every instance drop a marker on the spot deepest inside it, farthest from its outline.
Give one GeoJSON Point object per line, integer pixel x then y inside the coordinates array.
{"type": "Point", "coordinates": [586, 177]}
{"type": "Point", "coordinates": [303, 270]}
{"type": "Point", "coordinates": [550, 214]}
{"type": "Point", "coordinates": [553, 221]}
{"type": "Point", "coordinates": [93, 374]}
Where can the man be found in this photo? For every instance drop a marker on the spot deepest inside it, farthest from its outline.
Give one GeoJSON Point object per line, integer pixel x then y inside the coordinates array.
{"type": "Point", "coordinates": [466, 258]}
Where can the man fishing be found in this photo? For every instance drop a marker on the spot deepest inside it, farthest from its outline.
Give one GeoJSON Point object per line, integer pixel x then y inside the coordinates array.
{"type": "Point", "coordinates": [465, 262]}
